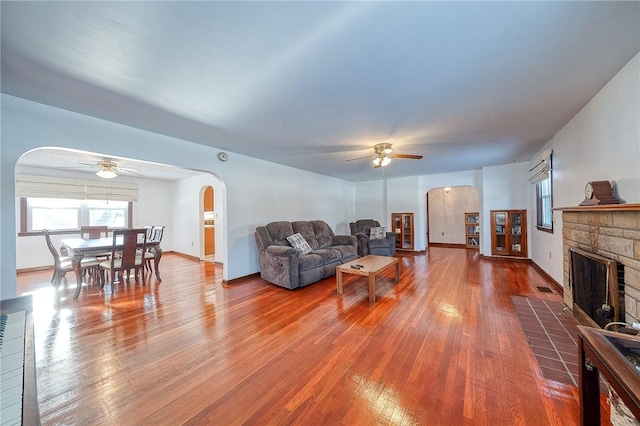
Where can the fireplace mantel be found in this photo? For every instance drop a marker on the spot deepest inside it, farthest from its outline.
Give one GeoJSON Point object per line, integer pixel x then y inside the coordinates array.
{"type": "Point", "coordinates": [603, 208]}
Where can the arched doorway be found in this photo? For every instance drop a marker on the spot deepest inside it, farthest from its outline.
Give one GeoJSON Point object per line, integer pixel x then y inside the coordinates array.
{"type": "Point", "coordinates": [446, 208]}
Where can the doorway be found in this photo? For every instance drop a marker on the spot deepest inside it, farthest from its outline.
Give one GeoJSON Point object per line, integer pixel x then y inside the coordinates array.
{"type": "Point", "coordinates": [209, 227]}
{"type": "Point", "coordinates": [446, 208]}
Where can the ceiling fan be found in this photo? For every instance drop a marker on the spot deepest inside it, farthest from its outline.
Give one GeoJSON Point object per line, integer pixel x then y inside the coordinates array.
{"type": "Point", "coordinates": [384, 154]}
{"type": "Point", "coordinates": [107, 169]}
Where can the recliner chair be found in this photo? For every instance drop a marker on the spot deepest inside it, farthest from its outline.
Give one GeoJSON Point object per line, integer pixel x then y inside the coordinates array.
{"type": "Point", "coordinates": [380, 247]}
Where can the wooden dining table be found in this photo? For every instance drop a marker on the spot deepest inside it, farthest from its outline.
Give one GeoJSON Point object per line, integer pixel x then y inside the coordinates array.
{"type": "Point", "coordinates": [80, 247]}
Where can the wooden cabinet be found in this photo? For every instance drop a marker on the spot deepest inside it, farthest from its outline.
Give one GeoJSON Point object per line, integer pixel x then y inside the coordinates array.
{"type": "Point", "coordinates": [402, 225]}
{"type": "Point", "coordinates": [472, 229]}
{"type": "Point", "coordinates": [509, 233]}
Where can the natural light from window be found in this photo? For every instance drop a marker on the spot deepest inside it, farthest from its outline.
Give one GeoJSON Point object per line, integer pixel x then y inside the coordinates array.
{"type": "Point", "coordinates": [63, 214]}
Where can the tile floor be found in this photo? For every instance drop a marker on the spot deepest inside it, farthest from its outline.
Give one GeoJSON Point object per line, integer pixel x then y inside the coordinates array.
{"type": "Point", "coordinates": [552, 332]}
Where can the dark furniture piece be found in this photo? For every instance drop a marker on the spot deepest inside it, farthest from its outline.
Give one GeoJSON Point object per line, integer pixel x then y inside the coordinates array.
{"type": "Point", "coordinates": [283, 265]}
{"type": "Point", "coordinates": [617, 357]}
{"type": "Point", "coordinates": [127, 252]}
{"type": "Point", "coordinates": [509, 233]}
{"type": "Point", "coordinates": [472, 230]}
{"type": "Point", "coordinates": [64, 264]}
{"type": "Point", "coordinates": [402, 227]}
{"type": "Point", "coordinates": [80, 248]}
{"type": "Point", "coordinates": [93, 232]}
{"type": "Point", "coordinates": [382, 247]}
{"type": "Point", "coordinates": [154, 236]}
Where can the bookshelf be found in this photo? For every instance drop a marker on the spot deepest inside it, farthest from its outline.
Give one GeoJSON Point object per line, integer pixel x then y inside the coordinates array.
{"type": "Point", "coordinates": [472, 230]}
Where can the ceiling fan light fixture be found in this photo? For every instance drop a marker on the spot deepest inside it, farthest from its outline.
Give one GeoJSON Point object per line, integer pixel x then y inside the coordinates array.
{"type": "Point", "coordinates": [383, 149]}
{"type": "Point", "coordinates": [381, 161]}
{"type": "Point", "coordinates": [106, 173]}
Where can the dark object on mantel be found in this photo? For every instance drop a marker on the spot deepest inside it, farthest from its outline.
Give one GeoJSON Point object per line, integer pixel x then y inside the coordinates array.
{"type": "Point", "coordinates": [598, 193]}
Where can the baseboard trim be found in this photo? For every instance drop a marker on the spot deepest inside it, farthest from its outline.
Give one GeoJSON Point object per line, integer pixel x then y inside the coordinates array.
{"type": "Point", "coordinates": [556, 285]}
{"type": "Point", "coordinates": [34, 269]}
{"type": "Point", "coordinates": [509, 258]}
{"type": "Point", "coordinates": [187, 256]}
{"type": "Point", "coordinates": [227, 283]}
{"type": "Point", "coordinates": [447, 245]}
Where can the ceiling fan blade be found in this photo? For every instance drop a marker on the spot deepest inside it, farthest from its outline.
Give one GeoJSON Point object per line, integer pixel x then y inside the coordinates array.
{"type": "Point", "coordinates": [126, 171]}
{"type": "Point", "coordinates": [410, 156]}
{"type": "Point", "coordinates": [89, 164]}
{"type": "Point", "coordinates": [359, 158]}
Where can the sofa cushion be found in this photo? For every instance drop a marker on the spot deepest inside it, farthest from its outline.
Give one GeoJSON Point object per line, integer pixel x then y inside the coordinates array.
{"type": "Point", "coordinates": [377, 233]}
{"type": "Point", "coordinates": [298, 242]}
{"type": "Point", "coordinates": [323, 232]}
{"type": "Point", "coordinates": [279, 231]}
{"type": "Point", "coordinates": [304, 228]}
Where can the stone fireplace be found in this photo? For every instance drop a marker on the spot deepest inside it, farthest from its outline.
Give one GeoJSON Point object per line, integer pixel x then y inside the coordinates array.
{"type": "Point", "coordinates": [612, 232]}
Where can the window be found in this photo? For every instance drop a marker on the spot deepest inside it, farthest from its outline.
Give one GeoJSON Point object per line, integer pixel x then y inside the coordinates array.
{"type": "Point", "coordinates": [544, 214]}
{"type": "Point", "coordinates": [69, 214]}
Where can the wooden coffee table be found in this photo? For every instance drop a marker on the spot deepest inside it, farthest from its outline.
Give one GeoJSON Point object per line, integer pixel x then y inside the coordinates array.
{"type": "Point", "coordinates": [371, 265]}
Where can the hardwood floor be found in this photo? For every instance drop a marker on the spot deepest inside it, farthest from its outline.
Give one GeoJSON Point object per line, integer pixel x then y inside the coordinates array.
{"type": "Point", "coordinates": [441, 346]}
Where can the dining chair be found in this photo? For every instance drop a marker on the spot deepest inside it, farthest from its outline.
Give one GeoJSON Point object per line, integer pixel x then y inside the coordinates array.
{"type": "Point", "coordinates": [155, 237]}
{"type": "Point", "coordinates": [64, 264]}
{"type": "Point", "coordinates": [149, 237]}
{"type": "Point", "coordinates": [149, 229]}
{"type": "Point", "coordinates": [125, 256]}
{"type": "Point", "coordinates": [94, 232]}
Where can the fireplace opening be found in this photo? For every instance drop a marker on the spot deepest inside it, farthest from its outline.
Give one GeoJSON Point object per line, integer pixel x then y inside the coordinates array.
{"type": "Point", "coordinates": [597, 287]}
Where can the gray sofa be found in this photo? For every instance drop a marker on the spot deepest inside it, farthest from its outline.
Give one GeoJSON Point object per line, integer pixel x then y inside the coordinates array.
{"type": "Point", "coordinates": [382, 247]}
{"type": "Point", "coordinates": [283, 265]}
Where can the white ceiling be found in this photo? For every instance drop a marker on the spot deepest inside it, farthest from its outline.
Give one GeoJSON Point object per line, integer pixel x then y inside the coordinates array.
{"type": "Point", "coordinates": [75, 161]}
{"type": "Point", "coordinates": [312, 84]}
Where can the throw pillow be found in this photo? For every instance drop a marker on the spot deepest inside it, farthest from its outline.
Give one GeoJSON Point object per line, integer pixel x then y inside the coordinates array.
{"type": "Point", "coordinates": [298, 242]}
{"type": "Point", "coordinates": [377, 233]}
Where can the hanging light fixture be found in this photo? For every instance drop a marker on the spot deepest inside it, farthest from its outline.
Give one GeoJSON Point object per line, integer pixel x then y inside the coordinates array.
{"type": "Point", "coordinates": [381, 160]}
{"type": "Point", "coordinates": [383, 150]}
{"type": "Point", "coordinates": [107, 170]}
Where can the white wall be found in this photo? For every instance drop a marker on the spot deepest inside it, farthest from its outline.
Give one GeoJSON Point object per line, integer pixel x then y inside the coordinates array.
{"type": "Point", "coordinates": [370, 202]}
{"type": "Point", "coordinates": [446, 213]}
{"type": "Point", "coordinates": [257, 191]}
{"type": "Point", "coordinates": [505, 188]}
{"type": "Point", "coordinates": [601, 142]}
{"type": "Point", "coordinates": [403, 196]}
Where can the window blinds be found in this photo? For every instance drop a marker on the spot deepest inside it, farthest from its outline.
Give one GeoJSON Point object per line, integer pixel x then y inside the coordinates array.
{"type": "Point", "coordinates": [540, 166]}
{"type": "Point", "coordinates": [78, 189]}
